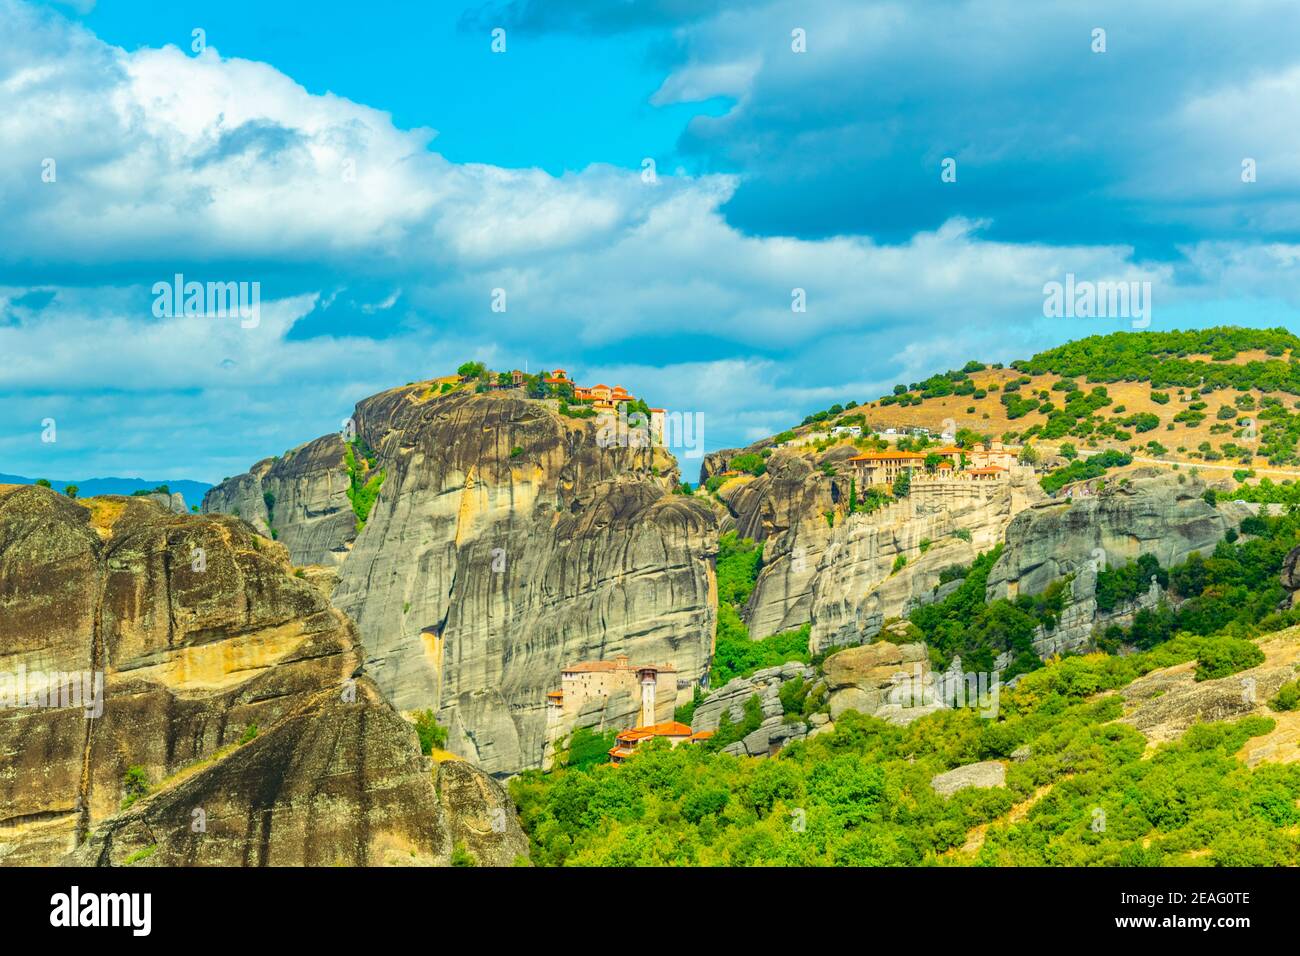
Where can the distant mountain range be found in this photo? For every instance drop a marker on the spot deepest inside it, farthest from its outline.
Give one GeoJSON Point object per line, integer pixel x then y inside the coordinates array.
{"type": "Point", "coordinates": [192, 491]}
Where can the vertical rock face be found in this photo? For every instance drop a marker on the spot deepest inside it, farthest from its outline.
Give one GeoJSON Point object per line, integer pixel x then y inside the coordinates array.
{"type": "Point", "coordinates": [506, 542]}
{"type": "Point", "coordinates": [785, 508]}
{"type": "Point", "coordinates": [838, 574]}
{"type": "Point", "coordinates": [302, 498]}
{"type": "Point", "coordinates": [857, 584]}
{"type": "Point", "coordinates": [224, 682]}
{"type": "Point", "coordinates": [1152, 513]}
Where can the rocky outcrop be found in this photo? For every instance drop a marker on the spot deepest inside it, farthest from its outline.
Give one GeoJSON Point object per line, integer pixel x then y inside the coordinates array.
{"type": "Point", "coordinates": [181, 652]}
{"type": "Point", "coordinates": [1165, 703]}
{"type": "Point", "coordinates": [300, 499]}
{"type": "Point", "coordinates": [506, 542]}
{"type": "Point", "coordinates": [987, 773]}
{"type": "Point", "coordinates": [1291, 576]}
{"type": "Point", "coordinates": [337, 783]}
{"type": "Point", "coordinates": [835, 570]}
{"type": "Point", "coordinates": [776, 730]}
{"type": "Point", "coordinates": [1150, 512]}
{"type": "Point", "coordinates": [786, 509]}
{"type": "Point", "coordinates": [716, 462]}
{"type": "Point", "coordinates": [173, 501]}
{"type": "Point", "coordinates": [885, 680]}
{"type": "Point", "coordinates": [859, 584]}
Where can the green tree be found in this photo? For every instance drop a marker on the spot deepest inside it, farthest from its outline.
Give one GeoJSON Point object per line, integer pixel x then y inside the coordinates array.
{"type": "Point", "coordinates": [433, 736]}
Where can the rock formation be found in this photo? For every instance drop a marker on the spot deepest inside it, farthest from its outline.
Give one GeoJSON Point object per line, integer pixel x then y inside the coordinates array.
{"type": "Point", "coordinates": [775, 731]}
{"type": "Point", "coordinates": [986, 773]}
{"type": "Point", "coordinates": [885, 680]}
{"type": "Point", "coordinates": [178, 653]}
{"type": "Point", "coordinates": [835, 570]}
{"type": "Point", "coordinates": [786, 508]}
{"type": "Point", "coordinates": [858, 582]}
{"type": "Point", "coordinates": [301, 499]}
{"type": "Point", "coordinates": [506, 542]}
{"type": "Point", "coordinates": [1148, 512]}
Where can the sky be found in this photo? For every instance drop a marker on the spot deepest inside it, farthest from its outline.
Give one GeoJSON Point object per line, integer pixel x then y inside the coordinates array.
{"type": "Point", "coordinates": [644, 185]}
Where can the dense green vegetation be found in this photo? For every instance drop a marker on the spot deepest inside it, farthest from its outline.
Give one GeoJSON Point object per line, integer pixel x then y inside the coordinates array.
{"type": "Point", "coordinates": [1084, 468]}
{"type": "Point", "coordinates": [861, 794]}
{"type": "Point", "coordinates": [1266, 492]}
{"type": "Point", "coordinates": [1125, 583]}
{"type": "Point", "coordinates": [433, 736]}
{"type": "Point", "coordinates": [1165, 359]}
{"type": "Point", "coordinates": [587, 747]}
{"type": "Point", "coordinates": [965, 625]}
{"type": "Point", "coordinates": [363, 480]}
{"type": "Point", "coordinates": [735, 654]}
{"type": "Point", "coordinates": [1235, 591]}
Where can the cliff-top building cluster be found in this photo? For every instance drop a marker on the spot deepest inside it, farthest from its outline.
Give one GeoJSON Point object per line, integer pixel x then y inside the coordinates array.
{"type": "Point", "coordinates": [993, 463]}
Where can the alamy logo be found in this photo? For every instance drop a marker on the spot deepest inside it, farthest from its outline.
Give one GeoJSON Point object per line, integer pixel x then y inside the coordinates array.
{"type": "Point", "coordinates": [683, 430]}
{"type": "Point", "coordinates": [213, 300]}
{"type": "Point", "coordinates": [980, 691]}
{"type": "Point", "coordinates": [53, 689]}
{"type": "Point", "coordinates": [1084, 299]}
{"type": "Point", "coordinates": [103, 909]}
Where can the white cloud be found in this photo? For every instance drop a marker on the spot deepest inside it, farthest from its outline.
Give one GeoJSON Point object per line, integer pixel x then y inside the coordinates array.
{"type": "Point", "coordinates": [166, 161]}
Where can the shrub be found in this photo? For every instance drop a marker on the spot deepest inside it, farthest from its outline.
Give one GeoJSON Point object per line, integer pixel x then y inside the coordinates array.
{"type": "Point", "coordinates": [432, 734]}
{"type": "Point", "coordinates": [1227, 656]}
{"type": "Point", "coordinates": [460, 856]}
{"type": "Point", "coordinates": [135, 784]}
{"type": "Point", "coordinates": [1287, 697]}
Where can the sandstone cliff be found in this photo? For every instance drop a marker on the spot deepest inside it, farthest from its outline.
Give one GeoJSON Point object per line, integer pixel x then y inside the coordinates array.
{"type": "Point", "coordinates": [836, 570]}
{"type": "Point", "coordinates": [1148, 512]}
{"type": "Point", "coordinates": [301, 498]}
{"type": "Point", "coordinates": [508, 541]}
{"type": "Point", "coordinates": [226, 684]}
{"type": "Point", "coordinates": [859, 583]}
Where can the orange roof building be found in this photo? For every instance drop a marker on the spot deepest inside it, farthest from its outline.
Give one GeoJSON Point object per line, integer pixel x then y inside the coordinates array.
{"type": "Point", "coordinates": [675, 732]}
{"type": "Point", "coordinates": [882, 467]}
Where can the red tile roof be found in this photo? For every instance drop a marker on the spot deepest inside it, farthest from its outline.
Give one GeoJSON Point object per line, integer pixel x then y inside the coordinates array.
{"type": "Point", "coordinates": [670, 729]}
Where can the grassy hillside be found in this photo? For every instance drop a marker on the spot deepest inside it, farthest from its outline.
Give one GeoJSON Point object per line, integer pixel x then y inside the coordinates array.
{"type": "Point", "coordinates": [1223, 398]}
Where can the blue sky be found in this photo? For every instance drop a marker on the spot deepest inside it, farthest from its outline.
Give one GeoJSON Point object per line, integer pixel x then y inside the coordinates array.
{"type": "Point", "coordinates": [379, 170]}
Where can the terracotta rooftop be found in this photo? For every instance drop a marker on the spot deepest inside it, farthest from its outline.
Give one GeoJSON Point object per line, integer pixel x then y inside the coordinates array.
{"type": "Point", "coordinates": [670, 729]}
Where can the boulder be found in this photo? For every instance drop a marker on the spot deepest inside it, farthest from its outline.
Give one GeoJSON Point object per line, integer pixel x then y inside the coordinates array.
{"type": "Point", "coordinates": [987, 773]}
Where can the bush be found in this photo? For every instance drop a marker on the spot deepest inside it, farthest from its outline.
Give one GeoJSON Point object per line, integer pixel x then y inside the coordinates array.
{"type": "Point", "coordinates": [1287, 697]}
{"type": "Point", "coordinates": [1228, 656]}
{"type": "Point", "coordinates": [587, 748]}
{"type": "Point", "coordinates": [460, 856]}
{"type": "Point", "coordinates": [432, 734]}
{"type": "Point", "coordinates": [135, 784]}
